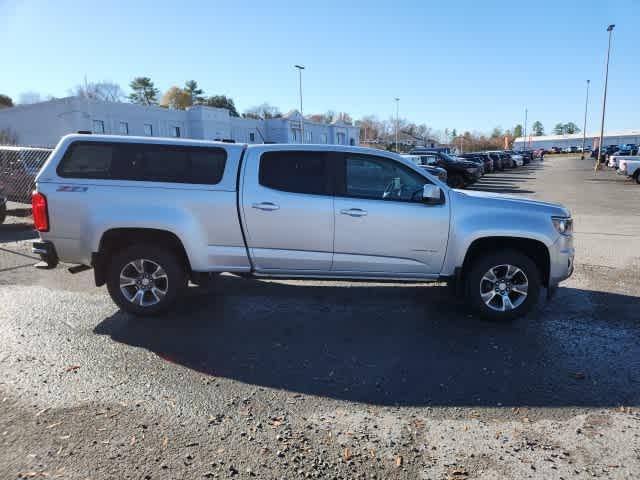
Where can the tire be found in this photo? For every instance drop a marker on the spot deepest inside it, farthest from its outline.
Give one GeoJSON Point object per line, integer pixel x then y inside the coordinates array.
{"type": "Point", "coordinates": [456, 181]}
{"type": "Point", "coordinates": [3, 213]}
{"type": "Point", "coordinates": [637, 177]}
{"type": "Point", "coordinates": [497, 262]}
{"type": "Point", "coordinates": [158, 295]}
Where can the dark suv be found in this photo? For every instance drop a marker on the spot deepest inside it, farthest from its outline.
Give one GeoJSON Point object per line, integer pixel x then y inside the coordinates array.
{"type": "Point", "coordinates": [460, 172]}
{"type": "Point", "coordinates": [481, 159]}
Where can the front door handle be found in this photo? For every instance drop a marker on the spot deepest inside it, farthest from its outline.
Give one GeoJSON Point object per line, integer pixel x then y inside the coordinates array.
{"type": "Point", "coordinates": [353, 212]}
{"type": "Point", "coordinates": [266, 206]}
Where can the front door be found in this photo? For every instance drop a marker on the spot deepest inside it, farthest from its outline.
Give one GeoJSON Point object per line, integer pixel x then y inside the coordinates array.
{"type": "Point", "coordinates": [382, 227]}
{"type": "Point", "coordinates": [288, 211]}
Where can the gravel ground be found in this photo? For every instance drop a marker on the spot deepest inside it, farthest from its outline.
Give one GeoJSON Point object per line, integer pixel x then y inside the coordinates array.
{"type": "Point", "coordinates": [294, 379]}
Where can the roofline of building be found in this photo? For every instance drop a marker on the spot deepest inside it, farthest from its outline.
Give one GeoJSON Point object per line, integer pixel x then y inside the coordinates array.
{"type": "Point", "coordinates": [576, 136]}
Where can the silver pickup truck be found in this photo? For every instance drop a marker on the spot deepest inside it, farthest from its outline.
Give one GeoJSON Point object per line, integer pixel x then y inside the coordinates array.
{"type": "Point", "coordinates": [150, 214]}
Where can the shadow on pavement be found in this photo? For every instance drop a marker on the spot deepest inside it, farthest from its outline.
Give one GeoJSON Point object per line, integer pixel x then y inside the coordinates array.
{"type": "Point", "coordinates": [399, 344]}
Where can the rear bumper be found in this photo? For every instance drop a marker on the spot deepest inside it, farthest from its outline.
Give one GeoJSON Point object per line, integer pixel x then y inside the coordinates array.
{"type": "Point", "coordinates": [47, 252]}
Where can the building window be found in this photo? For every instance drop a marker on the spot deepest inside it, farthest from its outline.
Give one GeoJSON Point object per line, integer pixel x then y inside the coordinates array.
{"type": "Point", "coordinates": [294, 135]}
{"type": "Point", "coordinates": [323, 138]}
{"type": "Point", "coordinates": [98, 126]}
{"type": "Point", "coordinates": [308, 136]}
{"type": "Point", "coordinates": [148, 130]}
{"type": "Point", "coordinates": [175, 131]}
{"type": "Point", "coordinates": [252, 137]}
{"type": "Point", "coordinates": [124, 128]}
{"type": "Point", "coordinates": [340, 138]}
{"type": "Point", "coordinates": [352, 141]}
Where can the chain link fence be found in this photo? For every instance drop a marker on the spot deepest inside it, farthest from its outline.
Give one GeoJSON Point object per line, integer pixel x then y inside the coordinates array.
{"type": "Point", "coordinates": [18, 169]}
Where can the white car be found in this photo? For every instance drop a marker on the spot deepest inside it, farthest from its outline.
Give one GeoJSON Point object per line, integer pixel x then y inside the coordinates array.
{"type": "Point", "coordinates": [630, 166]}
{"type": "Point", "coordinates": [518, 159]}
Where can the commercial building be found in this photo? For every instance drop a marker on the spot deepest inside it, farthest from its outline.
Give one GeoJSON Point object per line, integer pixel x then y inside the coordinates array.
{"type": "Point", "coordinates": [575, 140]}
{"type": "Point", "coordinates": [42, 124]}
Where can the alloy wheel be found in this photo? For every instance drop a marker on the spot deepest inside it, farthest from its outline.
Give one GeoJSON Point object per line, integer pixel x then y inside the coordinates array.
{"type": "Point", "coordinates": [504, 287]}
{"type": "Point", "coordinates": [144, 282]}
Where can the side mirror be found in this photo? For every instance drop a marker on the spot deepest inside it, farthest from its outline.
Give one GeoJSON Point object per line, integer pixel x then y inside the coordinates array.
{"type": "Point", "coordinates": [431, 194]}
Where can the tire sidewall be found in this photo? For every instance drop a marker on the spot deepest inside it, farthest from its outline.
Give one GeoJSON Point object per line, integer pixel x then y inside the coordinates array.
{"type": "Point", "coordinates": [3, 212]}
{"type": "Point", "coordinates": [177, 279]}
{"type": "Point", "coordinates": [482, 265]}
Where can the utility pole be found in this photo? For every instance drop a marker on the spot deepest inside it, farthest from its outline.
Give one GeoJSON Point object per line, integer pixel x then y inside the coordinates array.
{"type": "Point", "coordinates": [300, 68]}
{"type": "Point", "coordinates": [397, 122]}
{"type": "Point", "coordinates": [524, 143]}
{"type": "Point", "coordinates": [604, 98]}
{"type": "Point", "coordinates": [584, 127]}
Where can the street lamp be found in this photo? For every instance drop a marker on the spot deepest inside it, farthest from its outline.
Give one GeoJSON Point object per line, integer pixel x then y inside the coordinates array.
{"type": "Point", "coordinates": [584, 127]}
{"type": "Point", "coordinates": [604, 97]}
{"type": "Point", "coordinates": [300, 68]}
{"type": "Point", "coordinates": [397, 121]}
{"type": "Point", "coordinates": [524, 138]}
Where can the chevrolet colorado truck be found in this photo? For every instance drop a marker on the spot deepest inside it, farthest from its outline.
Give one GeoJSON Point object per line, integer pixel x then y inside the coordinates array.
{"type": "Point", "coordinates": [150, 214]}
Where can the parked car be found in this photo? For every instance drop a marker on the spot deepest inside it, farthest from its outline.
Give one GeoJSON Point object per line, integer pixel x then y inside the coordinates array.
{"type": "Point", "coordinates": [498, 163]}
{"type": "Point", "coordinates": [518, 160]}
{"type": "Point", "coordinates": [527, 155]}
{"type": "Point", "coordinates": [478, 159]}
{"type": "Point", "coordinates": [539, 153]}
{"type": "Point", "coordinates": [441, 173]}
{"type": "Point", "coordinates": [138, 210]}
{"type": "Point", "coordinates": [555, 150]}
{"type": "Point", "coordinates": [630, 166]}
{"type": "Point", "coordinates": [460, 173]}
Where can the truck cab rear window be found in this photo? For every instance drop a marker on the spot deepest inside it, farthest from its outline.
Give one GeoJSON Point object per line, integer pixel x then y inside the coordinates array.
{"type": "Point", "coordinates": [295, 171]}
{"type": "Point", "coordinates": [143, 162]}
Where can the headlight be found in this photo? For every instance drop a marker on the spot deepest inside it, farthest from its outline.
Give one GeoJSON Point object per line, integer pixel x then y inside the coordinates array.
{"type": "Point", "coordinates": [563, 225]}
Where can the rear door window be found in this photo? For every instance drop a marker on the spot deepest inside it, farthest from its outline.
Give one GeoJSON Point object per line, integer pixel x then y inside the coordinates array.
{"type": "Point", "coordinates": [296, 172]}
{"type": "Point", "coordinates": [144, 162]}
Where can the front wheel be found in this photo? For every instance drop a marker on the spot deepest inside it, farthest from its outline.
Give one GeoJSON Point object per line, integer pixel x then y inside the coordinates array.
{"type": "Point", "coordinates": [637, 179]}
{"type": "Point", "coordinates": [3, 212]}
{"type": "Point", "coordinates": [146, 280]}
{"type": "Point", "coordinates": [504, 285]}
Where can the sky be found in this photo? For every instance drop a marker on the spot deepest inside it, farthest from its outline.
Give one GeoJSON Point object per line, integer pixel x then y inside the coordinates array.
{"type": "Point", "coordinates": [465, 64]}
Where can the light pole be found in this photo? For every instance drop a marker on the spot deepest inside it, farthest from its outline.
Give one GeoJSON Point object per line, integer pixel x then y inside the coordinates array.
{"type": "Point", "coordinates": [397, 121]}
{"type": "Point", "coordinates": [524, 139]}
{"type": "Point", "coordinates": [604, 98]}
{"type": "Point", "coordinates": [584, 127]}
{"type": "Point", "coordinates": [300, 68]}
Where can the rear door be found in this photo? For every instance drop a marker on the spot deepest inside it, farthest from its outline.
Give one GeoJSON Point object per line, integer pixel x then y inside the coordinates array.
{"type": "Point", "coordinates": [287, 208]}
{"type": "Point", "coordinates": [382, 227]}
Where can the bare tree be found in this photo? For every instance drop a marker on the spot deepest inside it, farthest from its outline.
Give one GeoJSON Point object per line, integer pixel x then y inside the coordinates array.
{"type": "Point", "coordinates": [263, 111]}
{"type": "Point", "coordinates": [104, 91]}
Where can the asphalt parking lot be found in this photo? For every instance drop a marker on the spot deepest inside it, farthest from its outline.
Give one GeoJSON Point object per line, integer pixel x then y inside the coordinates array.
{"type": "Point", "coordinates": [300, 379]}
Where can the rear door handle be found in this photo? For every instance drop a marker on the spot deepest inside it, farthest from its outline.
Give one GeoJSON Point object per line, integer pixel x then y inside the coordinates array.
{"type": "Point", "coordinates": [353, 212]}
{"type": "Point", "coordinates": [266, 206]}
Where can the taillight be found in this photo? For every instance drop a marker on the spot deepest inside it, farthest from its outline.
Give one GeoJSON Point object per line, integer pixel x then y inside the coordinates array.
{"type": "Point", "coordinates": [40, 213]}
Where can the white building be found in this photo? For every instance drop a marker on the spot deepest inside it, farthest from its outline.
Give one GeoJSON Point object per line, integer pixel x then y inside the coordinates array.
{"type": "Point", "coordinates": [42, 124]}
{"type": "Point", "coordinates": [575, 140]}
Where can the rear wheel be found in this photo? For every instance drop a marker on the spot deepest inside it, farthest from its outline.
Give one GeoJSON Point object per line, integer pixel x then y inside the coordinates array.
{"type": "Point", "coordinates": [504, 285]}
{"type": "Point", "coordinates": [146, 280]}
{"type": "Point", "coordinates": [3, 212]}
{"type": "Point", "coordinates": [637, 177]}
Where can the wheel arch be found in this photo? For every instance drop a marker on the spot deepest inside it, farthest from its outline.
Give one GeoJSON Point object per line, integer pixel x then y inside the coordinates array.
{"type": "Point", "coordinates": [116, 239]}
{"type": "Point", "coordinates": [536, 250]}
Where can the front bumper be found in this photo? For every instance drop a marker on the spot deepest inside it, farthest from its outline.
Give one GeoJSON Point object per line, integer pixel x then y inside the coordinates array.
{"type": "Point", "coordinates": [562, 257]}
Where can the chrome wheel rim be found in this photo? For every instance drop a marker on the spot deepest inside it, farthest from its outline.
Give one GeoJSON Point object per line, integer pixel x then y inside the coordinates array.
{"type": "Point", "coordinates": [143, 282]}
{"type": "Point", "coordinates": [504, 288]}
